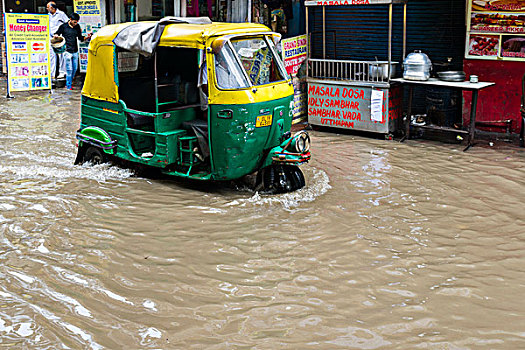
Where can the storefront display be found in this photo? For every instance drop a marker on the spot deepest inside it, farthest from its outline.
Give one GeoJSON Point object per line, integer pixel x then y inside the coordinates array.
{"type": "Point", "coordinates": [356, 94]}
{"type": "Point", "coordinates": [496, 29]}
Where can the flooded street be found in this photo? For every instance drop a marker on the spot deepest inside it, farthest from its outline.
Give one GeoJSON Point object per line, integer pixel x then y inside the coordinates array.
{"type": "Point", "coordinates": [390, 246]}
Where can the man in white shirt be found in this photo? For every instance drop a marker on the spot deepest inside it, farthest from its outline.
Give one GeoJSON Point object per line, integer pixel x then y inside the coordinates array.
{"type": "Point", "coordinates": [56, 19]}
{"type": "Point", "coordinates": [202, 84]}
{"type": "Point", "coordinates": [225, 78]}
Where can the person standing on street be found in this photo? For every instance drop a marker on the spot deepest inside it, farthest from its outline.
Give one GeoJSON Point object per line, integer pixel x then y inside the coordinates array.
{"type": "Point", "coordinates": [71, 32]}
{"type": "Point", "coordinates": [56, 19]}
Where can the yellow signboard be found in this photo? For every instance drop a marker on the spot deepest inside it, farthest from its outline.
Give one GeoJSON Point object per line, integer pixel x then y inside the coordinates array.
{"type": "Point", "coordinates": [87, 8]}
{"type": "Point", "coordinates": [27, 39]}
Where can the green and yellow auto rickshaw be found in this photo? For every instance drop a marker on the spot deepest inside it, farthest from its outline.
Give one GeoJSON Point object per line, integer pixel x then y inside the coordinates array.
{"type": "Point", "coordinates": [202, 100]}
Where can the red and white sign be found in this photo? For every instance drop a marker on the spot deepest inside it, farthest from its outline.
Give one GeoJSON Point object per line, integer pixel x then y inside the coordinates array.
{"type": "Point", "coordinates": [38, 46]}
{"type": "Point", "coordinates": [294, 53]}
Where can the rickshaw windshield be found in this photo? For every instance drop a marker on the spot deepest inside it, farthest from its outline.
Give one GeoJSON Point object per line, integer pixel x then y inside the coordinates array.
{"type": "Point", "coordinates": [260, 62]}
{"type": "Point", "coordinates": [229, 74]}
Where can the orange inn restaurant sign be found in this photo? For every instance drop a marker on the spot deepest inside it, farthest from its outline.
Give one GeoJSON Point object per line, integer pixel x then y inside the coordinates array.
{"type": "Point", "coordinates": [496, 30]}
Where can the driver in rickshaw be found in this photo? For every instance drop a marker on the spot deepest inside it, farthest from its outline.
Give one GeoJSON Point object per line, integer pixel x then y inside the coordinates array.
{"type": "Point", "coordinates": [226, 79]}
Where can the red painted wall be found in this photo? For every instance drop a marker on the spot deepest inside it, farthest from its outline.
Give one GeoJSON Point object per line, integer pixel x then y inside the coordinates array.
{"type": "Point", "coordinates": [498, 102]}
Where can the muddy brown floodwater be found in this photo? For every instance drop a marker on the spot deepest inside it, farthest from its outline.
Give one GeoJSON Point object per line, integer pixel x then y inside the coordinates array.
{"type": "Point", "coordinates": [390, 246]}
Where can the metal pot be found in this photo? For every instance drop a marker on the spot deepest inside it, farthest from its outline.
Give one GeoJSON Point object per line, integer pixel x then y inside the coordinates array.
{"type": "Point", "coordinates": [442, 66]}
{"type": "Point", "coordinates": [379, 70]}
{"type": "Point", "coordinates": [452, 76]}
{"type": "Point", "coordinates": [417, 66]}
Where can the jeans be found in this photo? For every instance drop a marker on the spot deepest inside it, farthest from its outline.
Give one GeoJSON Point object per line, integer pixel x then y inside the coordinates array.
{"type": "Point", "coordinates": [71, 67]}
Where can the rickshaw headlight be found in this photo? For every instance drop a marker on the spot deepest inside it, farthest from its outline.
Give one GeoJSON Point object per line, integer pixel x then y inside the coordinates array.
{"type": "Point", "coordinates": [302, 142]}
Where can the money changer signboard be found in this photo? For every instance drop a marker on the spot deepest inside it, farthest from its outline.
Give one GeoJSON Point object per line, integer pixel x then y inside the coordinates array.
{"type": "Point", "coordinates": [27, 39]}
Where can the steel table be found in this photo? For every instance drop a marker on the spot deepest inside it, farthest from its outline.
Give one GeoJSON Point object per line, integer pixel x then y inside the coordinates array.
{"type": "Point", "coordinates": [463, 85]}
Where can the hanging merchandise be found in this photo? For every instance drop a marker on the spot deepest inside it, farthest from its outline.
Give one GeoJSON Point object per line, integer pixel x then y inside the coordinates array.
{"type": "Point", "coordinates": [261, 13]}
{"type": "Point", "coordinates": [192, 8]}
{"type": "Point", "coordinates": [130, 9]}
{"type": "Point", "coordinates": [278, 20]}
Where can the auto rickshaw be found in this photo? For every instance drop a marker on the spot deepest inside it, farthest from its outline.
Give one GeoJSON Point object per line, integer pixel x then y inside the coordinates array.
{"type": "Point", "coordinates": [147, 108]}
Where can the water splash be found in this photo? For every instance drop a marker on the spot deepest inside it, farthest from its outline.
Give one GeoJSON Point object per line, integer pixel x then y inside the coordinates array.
{"type": "Point", "coordinates": [317, 185]}
{"type": "Point", "coordinates": [99, 173]}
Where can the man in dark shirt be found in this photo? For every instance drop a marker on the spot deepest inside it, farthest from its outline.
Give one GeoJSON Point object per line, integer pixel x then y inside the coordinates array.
{"type": "Point", "coordinates": [71, 32]}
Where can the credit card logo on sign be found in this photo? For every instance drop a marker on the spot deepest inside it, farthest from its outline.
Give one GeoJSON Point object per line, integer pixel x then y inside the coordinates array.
{"type": "Point", "coordinates": [19, 46]}
{"type": "Point", "coordinates": [39, 46]}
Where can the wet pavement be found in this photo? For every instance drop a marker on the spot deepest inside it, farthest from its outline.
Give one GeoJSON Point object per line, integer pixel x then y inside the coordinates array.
{"type": "Point", "coordinates": [390, 246]}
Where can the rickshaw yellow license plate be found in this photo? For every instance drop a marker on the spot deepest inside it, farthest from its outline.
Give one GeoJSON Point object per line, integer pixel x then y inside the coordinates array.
{"type": "Point", "coordinates": [263, 120]}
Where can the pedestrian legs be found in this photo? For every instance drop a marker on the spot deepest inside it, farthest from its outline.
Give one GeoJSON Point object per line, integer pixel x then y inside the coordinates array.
{"type": "Point", "coordinates": [71, 67]}
{"type": "Point", "coordinates": [61, 65]}
{"type": "Point", "coordinates": [53, 63]}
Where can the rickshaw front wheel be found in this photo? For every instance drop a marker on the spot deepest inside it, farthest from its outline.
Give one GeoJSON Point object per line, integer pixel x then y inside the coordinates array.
{"type": "Point", "coordinates": [94, 155]}
{"type": "Point", "coordinates": [276, 179]}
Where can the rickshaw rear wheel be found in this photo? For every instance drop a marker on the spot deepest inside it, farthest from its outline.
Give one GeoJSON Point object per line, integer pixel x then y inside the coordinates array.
{"type": "Point", "coordinates": [94, 155]}
{"type": "Point", "coordinates": [276, 179]}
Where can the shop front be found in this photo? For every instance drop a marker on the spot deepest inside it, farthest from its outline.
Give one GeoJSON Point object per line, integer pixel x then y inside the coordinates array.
{"type": "Point", "coordinates": [355, 92]}
{"type": "Point", "coordinates": [495, 51]}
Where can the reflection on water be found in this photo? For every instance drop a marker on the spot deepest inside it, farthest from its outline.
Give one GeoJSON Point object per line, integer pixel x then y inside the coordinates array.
{"type": "Point", "coordinates": [390, 245]}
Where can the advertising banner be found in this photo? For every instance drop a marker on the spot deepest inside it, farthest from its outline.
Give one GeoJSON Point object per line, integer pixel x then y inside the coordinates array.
{"type": "Point", "coordinates": [340, 106]}
{"type": "Point", "coordinates": [295, 52]}
{"type": "Point", "coordinates": [27, 40]}
{"type": "Point", "coordinates": [352, 107]}
{"type": "Point", "coordinates": [496, 29]}
{"type": "Point", "coordinates": [258, 67]}
{"type": "Point", "coordinates": [90, 22]}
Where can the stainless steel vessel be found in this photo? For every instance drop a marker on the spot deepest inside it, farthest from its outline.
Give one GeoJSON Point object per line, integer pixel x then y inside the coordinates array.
{"type": "Point", "coordinates": [416, 66]}
{"type": "Point", "coordinates": [452, 76]}
{"type": "Point", "coordinates": [379, 70]}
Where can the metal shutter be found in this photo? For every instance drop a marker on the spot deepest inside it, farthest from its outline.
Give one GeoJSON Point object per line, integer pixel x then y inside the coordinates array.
{"type": "Point", "coordinates": [437, 27]}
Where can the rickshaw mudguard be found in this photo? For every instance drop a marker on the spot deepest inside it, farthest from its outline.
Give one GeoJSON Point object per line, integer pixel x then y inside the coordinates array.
{"type": "Point", "coordinates": [98, 137]}
{"type": "Point", "coordinates": [282, 155]}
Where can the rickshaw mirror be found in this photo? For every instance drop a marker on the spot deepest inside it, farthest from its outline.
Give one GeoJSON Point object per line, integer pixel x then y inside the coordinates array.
{"type": "Point", "coordinates": [218, 44]}
{"type": "Point", "coordinates": [276, 37]}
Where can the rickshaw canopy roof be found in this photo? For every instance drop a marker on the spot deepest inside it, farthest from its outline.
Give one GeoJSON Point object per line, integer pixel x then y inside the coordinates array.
{"type": "Point", "coordinates": [100, 82]}
{"type": "Point", "coordinates": [181, 34]}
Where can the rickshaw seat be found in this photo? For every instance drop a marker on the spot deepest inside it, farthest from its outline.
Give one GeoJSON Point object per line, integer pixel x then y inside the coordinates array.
{"type": "Point", "coordinates": [200, 128]}
{"type": "Point", "coordinates": [188, 125]}
{"type": "Point", "coordinates": [136, 120]}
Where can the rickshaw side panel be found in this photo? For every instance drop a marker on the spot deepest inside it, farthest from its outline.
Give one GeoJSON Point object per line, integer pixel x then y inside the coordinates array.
{"type": "Point", "coordinates": [112, 118]}
{"type": "Point", "coordinates": [106, 115]}
{"type": "Point", "coordinates": [237, 145]}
